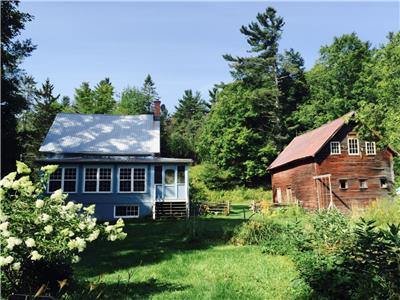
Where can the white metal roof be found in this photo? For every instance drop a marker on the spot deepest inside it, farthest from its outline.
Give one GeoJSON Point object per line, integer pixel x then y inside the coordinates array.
{"type": "Point", "coordinates": [103, 134]}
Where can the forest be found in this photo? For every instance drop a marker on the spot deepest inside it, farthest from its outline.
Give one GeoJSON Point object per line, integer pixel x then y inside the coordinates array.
{"type": "Point", "coordinates": [240, 127]}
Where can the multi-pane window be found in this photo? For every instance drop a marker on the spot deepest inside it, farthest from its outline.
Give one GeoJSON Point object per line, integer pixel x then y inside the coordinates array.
{"type": "Point", "coordinates": [63, 178]}
{"type": "Point", "coordinates": [343, 185]}
{"type": "Point", "coordinates": [353, 146]}
{"type": "Point", "coordinates": [139, 179]}
{"type": "Point", "coordinates": [363, 184]}
{"type": "Point", "coordinates": [126, 211]}
{"type": "Point", "coordinates": [170, 176]}
{"type": "Point", "coordinates": [335, 148]}
{"type": "Point", "coordinates": [125, 180]}
{"type": "Point", "coordinates": [370, 148]}
{"type": "Point", "coordinates": [158, 174]}
{"type": "Point", "coordinates": [98, 180]}
{"type": "Point", "coordinates": [132, 180]}
{"type": "Point", "coordinates": [181, 174]}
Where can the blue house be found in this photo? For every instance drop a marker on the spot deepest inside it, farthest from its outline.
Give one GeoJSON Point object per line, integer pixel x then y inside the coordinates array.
{"type": "Point", "coordinates": [114, 161]}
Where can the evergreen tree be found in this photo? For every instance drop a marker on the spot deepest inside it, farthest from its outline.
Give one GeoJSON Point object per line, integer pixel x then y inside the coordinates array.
{"type": "Point", "coordinates": [184, 125]}
{"type": "Point", "coordinates": [132, 102]}
{"type": "Point", "coordinates": [149, 90]}
{"type": "Point", "coordinates": [103, 96]}
{"type": "Point", "coordinates": [36, 122]}
{"type": "Point", "coordinates": [13, 102]}
{"type": "Point", "coordinates": [84, 99]}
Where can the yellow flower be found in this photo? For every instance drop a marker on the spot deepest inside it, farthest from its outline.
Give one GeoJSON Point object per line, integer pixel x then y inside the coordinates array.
{"type": "Point", "coordinates": [22, 168]}
{"type": "Point", "coordinates": [35, 255]}
{"type": "Point", "coordinates": [39, 203]}
{"type": "Point", "coordinates": [50, 169]}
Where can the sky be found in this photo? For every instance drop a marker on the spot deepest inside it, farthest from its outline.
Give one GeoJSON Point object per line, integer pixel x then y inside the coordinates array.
{"type": "Point", "coordinates": [180, 44]}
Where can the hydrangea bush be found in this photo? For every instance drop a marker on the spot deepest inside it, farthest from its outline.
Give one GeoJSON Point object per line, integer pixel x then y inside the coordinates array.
{"type": "Point", "coordinates": [41, 236]}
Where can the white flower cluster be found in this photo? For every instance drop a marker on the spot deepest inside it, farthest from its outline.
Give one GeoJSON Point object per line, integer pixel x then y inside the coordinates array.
{"type": "Point", "coordinates": [60, 228]}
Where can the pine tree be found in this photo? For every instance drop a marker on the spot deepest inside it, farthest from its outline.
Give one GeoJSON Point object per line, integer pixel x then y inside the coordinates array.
{"type": "Point", "coordinates": [149, 90]}
{"type": "Point", "coordinates": [84, 99]}
{"type": "Point", "coordinates": [13, 102]}
{"type": "Point", "coordinates": [103, 96]}
{"type": "Point", "coordinates": [132, 102]}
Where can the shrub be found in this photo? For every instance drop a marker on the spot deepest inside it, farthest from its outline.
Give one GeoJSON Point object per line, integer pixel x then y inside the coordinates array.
{"type": "Point", "coordinates": [41, 236]}
{"type": "Point", "coordinates": [382, 212]}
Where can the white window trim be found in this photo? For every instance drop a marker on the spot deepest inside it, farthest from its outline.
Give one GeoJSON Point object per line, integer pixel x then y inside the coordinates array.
{"type": "Point", "coordinates": [97, 180]}
{"type": "Point", "coordinates": [132, 180]}
{"type": "Point", "coordinates": [340, 150]}
{"type": "Point", "coordinates": [348, 146]}
{"type": "Point", "coordinates": [126, 217]}
{"type": "Point", "coordinates": [347, 184]}
{"type": "Point", "coordinates": [62, 180]}
{"type": "Point", "coordinates": [366, 148]}
{"type": "Point", "coordinates": [366, 182]}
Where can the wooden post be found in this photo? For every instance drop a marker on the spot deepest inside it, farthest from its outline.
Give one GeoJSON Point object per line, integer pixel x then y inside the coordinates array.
{"type": "Point", "coordinates": [229, 207]}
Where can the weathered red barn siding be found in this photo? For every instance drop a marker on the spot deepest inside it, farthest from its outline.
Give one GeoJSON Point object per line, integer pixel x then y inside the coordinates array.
{"type": "Point", "coordinates": [299, 176]}
{"type": "Point", "coordinates": [300, 179]}
{"type": "Point", "coordinates": [353, 168]}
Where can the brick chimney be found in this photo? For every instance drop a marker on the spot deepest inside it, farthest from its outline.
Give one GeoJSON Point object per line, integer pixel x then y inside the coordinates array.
{"type": "Point", "coordinates": [157, 110]}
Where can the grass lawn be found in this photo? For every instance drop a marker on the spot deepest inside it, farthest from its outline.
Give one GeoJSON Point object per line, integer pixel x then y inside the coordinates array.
{"type": "Point", "coordinates": [185, 260]}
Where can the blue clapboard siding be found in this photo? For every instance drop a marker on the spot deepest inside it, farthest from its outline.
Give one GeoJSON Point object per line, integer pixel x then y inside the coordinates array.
{"type": "Point", "coordinates": [105, 202]}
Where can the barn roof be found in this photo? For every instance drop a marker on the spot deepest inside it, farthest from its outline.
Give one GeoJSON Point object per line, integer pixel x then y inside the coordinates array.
{"type": "Point", "coordinates": [309, 143]}
{"type": "Point", "coordinates": [103, 134]}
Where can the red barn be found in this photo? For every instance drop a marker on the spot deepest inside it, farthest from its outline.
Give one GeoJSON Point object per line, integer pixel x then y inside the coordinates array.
{"type": "Point", "coordinates": [332, 166]}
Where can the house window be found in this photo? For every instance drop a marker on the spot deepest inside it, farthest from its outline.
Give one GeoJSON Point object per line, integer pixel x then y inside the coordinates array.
{"type": "Point", "coordinates": [98, 180]}
{"type": "Point", "coordinates": [181, 174]}
{"type": "Point", "coordinates": [353, 146]}
{"type": "Point", "coordinates": [158, 174]}
{"type": "Point", "coordinates": [363, 184]}
{"type": "Point", "coordinates": [125, 180]}
{"type": "Point", "coordinates": [126, 211]}
{"type": "Point", "coordinates": [335, 148]}
{"type": "Point", "coordinates": [370, 148]}
{"type": "Point", "coordinates": [278, 195]}
{"type": "Point", "coordinates": [139, 179]}
{"type": "Point", "coordinates": [384, 184]}
{"type": "Point", "coordinates": [170, 176]}
{"type": "Point", "coordinates": [63, 178]}
{"type": "Point", "coordinates": [343, 185]}
{"type": "Point", "coordinates": [132, 180]}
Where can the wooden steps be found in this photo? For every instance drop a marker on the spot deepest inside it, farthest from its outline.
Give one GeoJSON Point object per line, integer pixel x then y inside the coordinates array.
{"type": "Point", "coordinates": [170, 210]}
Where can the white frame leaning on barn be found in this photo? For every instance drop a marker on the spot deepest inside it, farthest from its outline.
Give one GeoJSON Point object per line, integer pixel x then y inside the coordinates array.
{"type": "Point", "coordinates": [63, 179]}
{"type": "Point", "coordinates": [97, 180]}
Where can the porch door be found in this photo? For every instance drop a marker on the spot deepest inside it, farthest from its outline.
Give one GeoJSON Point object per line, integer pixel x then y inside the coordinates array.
{"type": "Point", "coordinates": [170, 179]}
{"type": "Point", "coordinates": [324, 191]}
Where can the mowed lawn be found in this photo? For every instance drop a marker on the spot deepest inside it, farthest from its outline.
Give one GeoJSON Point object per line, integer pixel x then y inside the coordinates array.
{"type": "Point", "coordinates": [185, 260]}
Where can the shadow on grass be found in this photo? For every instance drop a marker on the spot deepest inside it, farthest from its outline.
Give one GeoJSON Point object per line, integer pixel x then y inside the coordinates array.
{"type": "Point", "coordinates": [149, 242]}
{"type": "Point", "coordinates": [125, 290]}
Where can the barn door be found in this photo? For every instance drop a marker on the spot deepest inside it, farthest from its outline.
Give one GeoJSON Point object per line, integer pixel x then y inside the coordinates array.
{"type": "Point", "coordinates": [324, 191]}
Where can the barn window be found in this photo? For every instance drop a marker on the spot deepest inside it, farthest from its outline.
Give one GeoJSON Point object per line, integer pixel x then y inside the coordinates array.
{"type": "Point", "coordinates": [335, 148]}
{"type": "Point", "coordinates": [343, 184]}
{"type": "Point", "coordinates": [384, 184]}
{"type": "Point", "coordinates": [363, 184]}
{"type": "Point", "coordinates": [126, 211]}
{"type": "Point", "coordinates": [353, 146]}
{"type": "Point", "coordinates": [370, 148]}
{"type": "Point", "coordinates": [169, 176]}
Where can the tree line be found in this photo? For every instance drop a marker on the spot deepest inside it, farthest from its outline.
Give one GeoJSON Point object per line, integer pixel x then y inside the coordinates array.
{"type": "Point", "coordinates": [245, 123]}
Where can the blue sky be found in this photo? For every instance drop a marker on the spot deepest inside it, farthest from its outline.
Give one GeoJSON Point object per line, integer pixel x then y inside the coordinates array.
{"type": "Point", "coordinates": [179, 43]}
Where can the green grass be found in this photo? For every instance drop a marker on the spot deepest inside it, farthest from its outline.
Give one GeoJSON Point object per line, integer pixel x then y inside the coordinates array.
{"type": "Point", "coordinates": [186, 260]}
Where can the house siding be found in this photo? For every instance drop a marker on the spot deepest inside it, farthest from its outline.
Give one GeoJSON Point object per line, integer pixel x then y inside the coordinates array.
{"type": "Point", "coordinates": [105, 201]}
